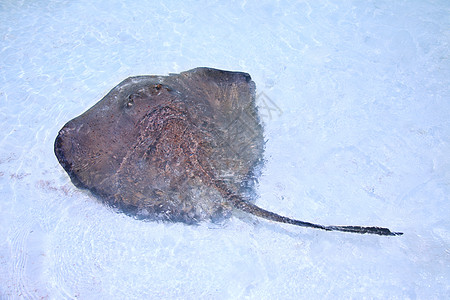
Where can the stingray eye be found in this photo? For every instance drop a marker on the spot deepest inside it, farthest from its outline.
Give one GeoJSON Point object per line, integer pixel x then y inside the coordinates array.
{"type": "Point", "coordinates": [156, 89]}
{"type": "Point", "coordinates": [130, 101]}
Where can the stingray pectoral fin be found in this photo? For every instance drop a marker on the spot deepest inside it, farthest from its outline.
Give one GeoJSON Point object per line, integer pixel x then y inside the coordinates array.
{"type": "Point", "coordinates": [248, 207]}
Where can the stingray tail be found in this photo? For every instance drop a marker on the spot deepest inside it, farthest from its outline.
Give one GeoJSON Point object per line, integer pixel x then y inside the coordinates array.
{"type": "Point", "coordinates": [248, 207]}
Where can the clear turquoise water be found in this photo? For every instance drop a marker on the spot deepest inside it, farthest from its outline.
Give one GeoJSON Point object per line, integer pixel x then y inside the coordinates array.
{"type": "Point", "coordinates": [362, 138]}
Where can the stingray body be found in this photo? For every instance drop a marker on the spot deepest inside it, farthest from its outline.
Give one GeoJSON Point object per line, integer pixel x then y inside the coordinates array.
{"type": "Point", "coordinates": [177, 148]}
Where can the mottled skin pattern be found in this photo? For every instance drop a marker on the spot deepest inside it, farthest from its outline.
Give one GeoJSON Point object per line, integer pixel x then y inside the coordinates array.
{"type": "Point", "coordinates": [176, 148]}
{"type": "Point", "coordinates": [165, 147]}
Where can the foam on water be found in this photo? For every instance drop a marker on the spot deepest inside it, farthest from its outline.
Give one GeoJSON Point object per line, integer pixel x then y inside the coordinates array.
{"type": "Point", "coordinates": [360, 134]}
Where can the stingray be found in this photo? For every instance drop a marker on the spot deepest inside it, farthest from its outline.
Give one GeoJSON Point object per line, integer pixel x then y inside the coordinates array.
{"type": "Point", "coordinates": [179, 148]}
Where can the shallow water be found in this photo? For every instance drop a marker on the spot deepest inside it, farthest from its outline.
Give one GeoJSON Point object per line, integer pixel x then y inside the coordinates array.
{"type": "Point", "coordinates": [355, 102]}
